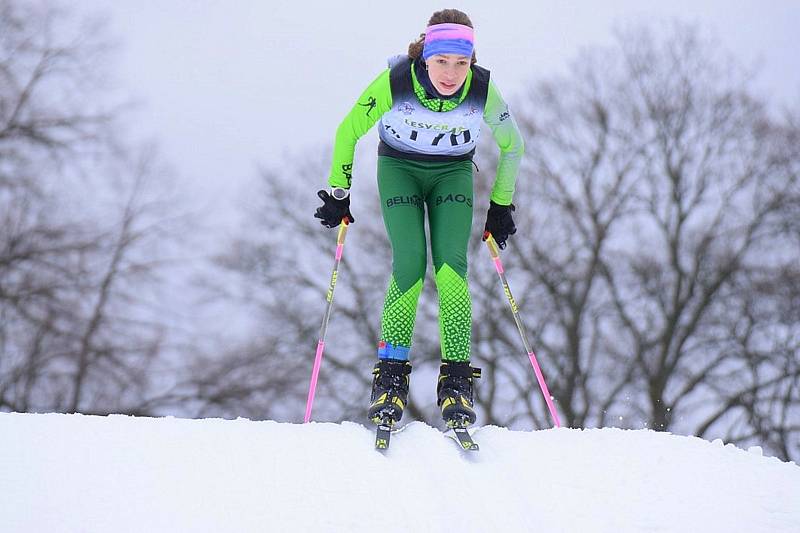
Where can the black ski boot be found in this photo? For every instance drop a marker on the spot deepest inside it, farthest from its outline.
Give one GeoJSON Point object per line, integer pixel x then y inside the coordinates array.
{"type": "Point", "coordinates": [389, 391]}
{"type": "Point", "coordinates": [454, 391]}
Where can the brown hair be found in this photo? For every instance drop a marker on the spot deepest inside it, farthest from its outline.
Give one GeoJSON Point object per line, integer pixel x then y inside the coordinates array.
{"type": "Point", "coordinates": [453, 16]}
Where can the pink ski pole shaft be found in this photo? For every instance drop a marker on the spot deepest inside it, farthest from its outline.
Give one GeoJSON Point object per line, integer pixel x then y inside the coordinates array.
{"type": "Point", "coordinates": [312, 387]}
{"type": "Point", "coordinates": [498, 265]}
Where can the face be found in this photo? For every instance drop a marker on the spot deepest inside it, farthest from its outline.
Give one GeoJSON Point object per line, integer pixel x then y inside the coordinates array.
{"type": "Point", "coordinates": [448, 72]}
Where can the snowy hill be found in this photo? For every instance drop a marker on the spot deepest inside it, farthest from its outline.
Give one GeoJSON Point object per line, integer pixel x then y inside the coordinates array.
{"type": "Point", "coordinates": [62, 473]}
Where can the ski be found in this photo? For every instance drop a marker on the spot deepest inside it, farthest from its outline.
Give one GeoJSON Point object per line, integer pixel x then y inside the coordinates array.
{"type": "Point", "coordinates": [383, 434]}
{"type": "Point", "coordinates": [464, 439]}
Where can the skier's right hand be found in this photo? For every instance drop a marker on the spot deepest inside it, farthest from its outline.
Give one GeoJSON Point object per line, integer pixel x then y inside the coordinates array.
{"type": "Point", "coordinates": [333, 211]}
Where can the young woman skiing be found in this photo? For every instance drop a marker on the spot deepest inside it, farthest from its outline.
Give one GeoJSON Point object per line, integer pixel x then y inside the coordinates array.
{"type": "Point", "coordinates": [430, 104]}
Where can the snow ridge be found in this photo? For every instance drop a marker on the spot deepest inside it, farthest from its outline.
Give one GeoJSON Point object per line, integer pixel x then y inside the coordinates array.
{"type": "Point", "coordinates": [76, 473]}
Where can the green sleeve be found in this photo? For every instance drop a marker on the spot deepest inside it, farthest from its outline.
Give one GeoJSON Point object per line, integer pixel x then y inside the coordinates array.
{"type": "Point", "coordinates": [508, 138]}
{"type": "Point", "coordinates": [371, 105]}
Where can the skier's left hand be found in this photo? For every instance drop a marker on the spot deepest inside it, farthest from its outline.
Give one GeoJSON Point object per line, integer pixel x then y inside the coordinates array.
{"type": "Point", "coordinates": [333, 211]}
{"type": "Point", "coordinates": [500, 223]}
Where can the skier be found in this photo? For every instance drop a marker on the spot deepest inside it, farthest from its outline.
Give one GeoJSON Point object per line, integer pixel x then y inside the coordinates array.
{"type": "Point", "coordinates": [430, 104]}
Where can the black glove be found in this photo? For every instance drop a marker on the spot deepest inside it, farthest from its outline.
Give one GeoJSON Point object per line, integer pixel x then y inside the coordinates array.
{"type": "Point", "coordinates": [333, 210]}
{"type": "Point", "coordinates": [500, 223]}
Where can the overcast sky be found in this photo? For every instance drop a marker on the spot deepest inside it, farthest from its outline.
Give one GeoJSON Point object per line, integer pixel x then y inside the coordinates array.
{"type": "Point", "coordinates": [228, 85]}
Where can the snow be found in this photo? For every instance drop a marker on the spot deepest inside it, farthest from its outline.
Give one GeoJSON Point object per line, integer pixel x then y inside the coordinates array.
{"type": "Point", "coordinates": [74, 473]}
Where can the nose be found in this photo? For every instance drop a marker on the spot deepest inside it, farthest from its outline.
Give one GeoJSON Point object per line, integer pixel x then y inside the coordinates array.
{"type": "Point", "coordinates": [450, 72]}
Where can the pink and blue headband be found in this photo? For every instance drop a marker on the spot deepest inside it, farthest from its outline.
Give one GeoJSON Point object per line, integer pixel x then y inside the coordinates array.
{"type": "Point", "coordinates": [448, 38]}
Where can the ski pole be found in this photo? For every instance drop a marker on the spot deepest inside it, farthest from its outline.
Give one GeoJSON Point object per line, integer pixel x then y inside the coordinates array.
{"type": "Point", "coordinates": [312, 388]}
{"type": "Point", "coordinates": [495, 253]}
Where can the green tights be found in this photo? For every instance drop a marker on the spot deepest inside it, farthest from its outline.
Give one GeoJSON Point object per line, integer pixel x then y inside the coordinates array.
{"type": "Point", "coordinates": [406, 188]}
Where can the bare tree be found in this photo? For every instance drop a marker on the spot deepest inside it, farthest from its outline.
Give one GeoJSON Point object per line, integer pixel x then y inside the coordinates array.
{"type": "Point", "coordinates": [83, 225]}
{"type": "Point", "coordinates": [662, 189]}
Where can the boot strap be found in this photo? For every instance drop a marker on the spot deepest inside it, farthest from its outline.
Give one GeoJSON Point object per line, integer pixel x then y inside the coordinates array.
{"type": "Point", "coordinates": [460, 370]}
{"type": "Point", "coordinates": [399, 368]}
